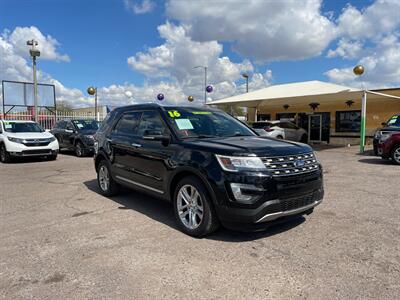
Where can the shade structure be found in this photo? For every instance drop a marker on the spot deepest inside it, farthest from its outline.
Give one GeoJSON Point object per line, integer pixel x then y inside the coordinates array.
{"type": "Point", "coordinates": [292, 93]}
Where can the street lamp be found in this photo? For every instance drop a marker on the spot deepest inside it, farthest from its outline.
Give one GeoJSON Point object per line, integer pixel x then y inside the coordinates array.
{"type": "Point", "coordinates": [246, 76]}
{"type": "Point", "coordinates": [93, 91]}
{"type": "Point", "coordinates": [205, 82]}
{"type": "Point", "coordinates": [34, 53]}
{"type": "Point", "coordinates": [358, 71]}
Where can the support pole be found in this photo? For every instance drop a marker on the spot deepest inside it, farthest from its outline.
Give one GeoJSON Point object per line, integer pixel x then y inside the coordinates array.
{"type": "Point", "coordinates": [95, 105]}
{"type": "Point", "coordinates": [205, 85]}
{"type": "Point", "coordinates": [363, 121]}
{"type": "Point", "coordinates": [35, 89]}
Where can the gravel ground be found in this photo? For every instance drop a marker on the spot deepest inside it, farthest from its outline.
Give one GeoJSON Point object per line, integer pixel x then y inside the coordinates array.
{"type": "Point", "coordinates": [59, 239]}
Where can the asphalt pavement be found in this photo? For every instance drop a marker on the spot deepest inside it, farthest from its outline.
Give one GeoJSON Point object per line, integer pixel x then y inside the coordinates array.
{"type": "Point", "coordinates": [60, 239]}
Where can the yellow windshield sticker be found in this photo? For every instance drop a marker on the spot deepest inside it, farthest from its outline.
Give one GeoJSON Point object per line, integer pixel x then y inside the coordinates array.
{"type": "Point", "coordinates": [174, 113]}
{"type": "Point", "coordinates": [202, 112]}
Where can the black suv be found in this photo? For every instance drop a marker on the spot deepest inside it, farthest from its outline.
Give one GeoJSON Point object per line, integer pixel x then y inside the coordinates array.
{"type": "Point", "coordinates": [76, 135]}
{"type": "Point", "coordinates": [214, 169]}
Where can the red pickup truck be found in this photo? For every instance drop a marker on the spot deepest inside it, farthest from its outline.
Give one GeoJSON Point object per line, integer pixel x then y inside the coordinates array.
{"type": "Point", "coordinates": [389, 146]}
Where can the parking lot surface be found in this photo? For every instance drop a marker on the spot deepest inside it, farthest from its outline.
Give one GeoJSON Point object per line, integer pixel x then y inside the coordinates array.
{"type": "Point", "coordinates": [60, 239]}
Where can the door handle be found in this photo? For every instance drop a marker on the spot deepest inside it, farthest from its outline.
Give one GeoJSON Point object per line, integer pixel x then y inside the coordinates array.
{"type": "Point", "coordinates": [136, 145]}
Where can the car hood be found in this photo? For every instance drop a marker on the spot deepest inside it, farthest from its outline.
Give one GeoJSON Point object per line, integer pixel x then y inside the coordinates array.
{"type": "Point", "coordinates": [246, 145]}
{"type": "Point", "coordinates": [30, 135]}
{"type": "Point", "coordinates": [390, 128]}
{"type": "Point", "coordinates": [87, 132]}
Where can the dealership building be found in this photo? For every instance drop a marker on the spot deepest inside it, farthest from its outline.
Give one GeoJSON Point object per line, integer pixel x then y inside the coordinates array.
{"type": "Point", "coordinates": [329, 112]}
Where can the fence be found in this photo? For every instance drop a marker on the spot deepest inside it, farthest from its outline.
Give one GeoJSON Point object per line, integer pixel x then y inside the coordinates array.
{"type": "Point", "coordinates": [47, 119]}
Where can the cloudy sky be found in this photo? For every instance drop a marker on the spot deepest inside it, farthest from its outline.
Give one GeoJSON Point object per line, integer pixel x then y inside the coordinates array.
{"type": "Point", "coordinates": [149, 47]}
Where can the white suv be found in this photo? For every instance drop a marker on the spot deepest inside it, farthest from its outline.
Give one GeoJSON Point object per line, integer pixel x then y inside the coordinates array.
{"type": "Point", "coordinates": [25, 138]}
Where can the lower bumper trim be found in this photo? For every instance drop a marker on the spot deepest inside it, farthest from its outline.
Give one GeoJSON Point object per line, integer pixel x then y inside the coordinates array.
{"type": "Point", "coordinates": [276, 215]}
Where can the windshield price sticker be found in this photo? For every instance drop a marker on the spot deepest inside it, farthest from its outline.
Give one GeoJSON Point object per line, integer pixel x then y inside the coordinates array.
{"type": "Point", "coordinates": [80, 126]}
{"type": "Point", "coordinates": [174, 113]}
{"type": "Point", "coordinates": [7, 125]}
{"type": "Point", "coordinates": [184, 124]}
{"type": "Point", "coordinates": [202, 112]}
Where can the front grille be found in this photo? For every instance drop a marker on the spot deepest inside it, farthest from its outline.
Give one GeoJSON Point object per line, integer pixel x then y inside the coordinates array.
{"type": "Point", "coordinates": [36, 152]}
{"type": "Point", "coordinates": [36, 142]}
{"type": "Point", "coordinates": [291, 164]}
{"type": "Point", "coordinates": [294, 203]}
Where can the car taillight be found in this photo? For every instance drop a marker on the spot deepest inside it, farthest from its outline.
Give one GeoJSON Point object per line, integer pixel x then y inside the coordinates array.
{"type": "Point", "coordinates": [268, 129]}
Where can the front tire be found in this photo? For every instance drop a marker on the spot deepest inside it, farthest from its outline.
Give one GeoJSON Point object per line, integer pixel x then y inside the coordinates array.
{"type": "Point", "coordinates": [79, 149]}
{"type": "Point", "coordinates": [396, 155]}
{"type": "Point", "coordinates": [5, 157]}
{"type": "Point", "coordinates": [193, 209]}
{"type": "Point", "coordinates": [108, 187]}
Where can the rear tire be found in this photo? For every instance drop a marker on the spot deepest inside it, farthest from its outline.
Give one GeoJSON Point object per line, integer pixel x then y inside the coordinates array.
{"type": "Point", "coordinates": [108, 187]}
{"type": "Point", "coordinates": [5, 157]}
{"type": "Point", "coordinates": [396, 155]}
{"type": "Point", "coordinates": [194, 211]}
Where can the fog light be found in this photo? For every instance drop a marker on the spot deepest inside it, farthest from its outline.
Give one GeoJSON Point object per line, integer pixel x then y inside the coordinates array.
{"type": "Point", "coordinates": [246, 193]}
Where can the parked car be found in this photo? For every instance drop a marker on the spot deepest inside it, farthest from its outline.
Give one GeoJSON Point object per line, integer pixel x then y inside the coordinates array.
{"type": "Point", "coordinates": [25, 139]}
{"type": "Point", "coordinates": [214, 169]}
{"type": "Point", "coordinates": [76, 135]}
{"type": "Point", "coordinates": [392, 125]}
{"type": "Point", "coordinates": [389, 146]}
{"type": "Point", "coordinates": [283, 130]}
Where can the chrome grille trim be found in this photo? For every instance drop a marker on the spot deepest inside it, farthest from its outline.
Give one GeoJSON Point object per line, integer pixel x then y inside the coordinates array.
{"type": "Point", "coordinates": [291, 164]}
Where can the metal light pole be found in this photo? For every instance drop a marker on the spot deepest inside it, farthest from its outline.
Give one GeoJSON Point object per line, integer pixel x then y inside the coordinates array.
{"type": "Point", "coordinates": [246, 76]}
{"type": "Point", "coordinates": [34, 53]}
{"type": "Point", "coordinates": [358, 71]}
{"type": "Point", "coordinates": [205, 82]}
{"type": "Point", "coordinates": [93, 91]}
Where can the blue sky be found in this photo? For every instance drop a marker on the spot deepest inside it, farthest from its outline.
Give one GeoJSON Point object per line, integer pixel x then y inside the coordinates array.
{"type": "Point", "coordinates": [99, 37]}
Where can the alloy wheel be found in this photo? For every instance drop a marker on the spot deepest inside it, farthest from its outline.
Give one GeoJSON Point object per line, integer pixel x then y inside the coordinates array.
{"type": "Point", "coordinates": [396, 155]}
{"type": "Point", "coordinates": [104, 178]}
{"type": "Point", "coordinates": [190, 207]}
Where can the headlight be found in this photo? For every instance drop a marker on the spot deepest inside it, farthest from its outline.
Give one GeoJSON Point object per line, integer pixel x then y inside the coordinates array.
{"type": "Point", "coordinates": [239, 163]}
{"type": "Point", "coordinates": [384, 137]}
{"type": "Point", "coordinates": [89, 137]}
{"type": "Point", "coordinates": [15, 140]}
{"type": "Point", "coordinates": [52, 139]}
{"type": "Point", "coordinates": [377, 134]}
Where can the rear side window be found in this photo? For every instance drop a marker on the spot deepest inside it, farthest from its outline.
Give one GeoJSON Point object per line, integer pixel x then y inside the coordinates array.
{"type": "Point", "coordinates": [61, 125]}
{"type": "Point", "coordinates": [128, 123]}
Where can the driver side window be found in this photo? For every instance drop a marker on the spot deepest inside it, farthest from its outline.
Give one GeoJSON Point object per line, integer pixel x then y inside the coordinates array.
{"type": "Point", "coordinates": [151, 124]}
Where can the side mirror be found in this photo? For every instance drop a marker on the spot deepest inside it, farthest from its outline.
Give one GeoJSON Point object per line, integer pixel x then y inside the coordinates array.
{"type": "Point", "coordinates": [384, 123]}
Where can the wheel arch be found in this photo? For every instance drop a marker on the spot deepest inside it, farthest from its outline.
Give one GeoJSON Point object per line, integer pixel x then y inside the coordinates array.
{"type": "Point", "coordinates": [179, 175]}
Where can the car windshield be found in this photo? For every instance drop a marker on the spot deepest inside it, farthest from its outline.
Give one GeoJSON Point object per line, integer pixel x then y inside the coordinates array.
{"type": "Point", "coordinates": [205, 123]}
{"type": "Point", "coordinates": [394, 121]}
{"type": "Point", "coordinates": [86, 124]}
{"type": "Point", "coordinates": [22, 127]}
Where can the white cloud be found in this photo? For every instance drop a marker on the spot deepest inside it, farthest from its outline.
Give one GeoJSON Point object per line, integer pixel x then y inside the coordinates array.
{"type": "Point", "coordinates": [259, 29]}
{"type": "Point", "coordinates": [144, 7]}
{"type": "Point", "coordinates": [47, 44]}
{"type": "Point", "coordinates": [373, 22]}
{"type": "Point", "coordinates": [371, 37]}
{"type": "Point", "coordinates": [382, 66]}
{"type": "Point", "coordinates": [14, 64]}
{"type": "Point", "coordinates": [346, 49]}
{"type": "Point", "coordinates": [176, 58]}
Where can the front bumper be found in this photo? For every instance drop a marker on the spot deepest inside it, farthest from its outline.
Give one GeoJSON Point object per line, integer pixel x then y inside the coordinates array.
{"type": "Point", "coordinates": [20, 150]}
{"type": "Point", "coordinates": [282, 198]}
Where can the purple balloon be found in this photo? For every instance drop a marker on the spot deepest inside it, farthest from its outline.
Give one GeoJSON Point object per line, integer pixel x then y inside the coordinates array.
{"type": "Point", "coordinates": [160, 97]}
{"type": "Point", "coordinates": [209, 89]}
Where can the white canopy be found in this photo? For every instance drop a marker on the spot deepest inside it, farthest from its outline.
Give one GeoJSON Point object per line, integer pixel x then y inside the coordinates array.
{"type": "Point", "coordinates": [292, 92]}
